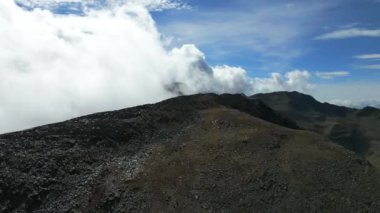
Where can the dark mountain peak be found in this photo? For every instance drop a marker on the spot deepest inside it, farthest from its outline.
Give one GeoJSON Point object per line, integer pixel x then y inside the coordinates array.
{"type": "Point", "coordinates": [369, 111]}
{"type": "Point", "coordinates": [286, 94]}
{"type": "Point", "coordinates": [297, 100]}
{"type": "Point", "coordinates": [356, 130]}
{"type": "Point", "coordinates": [301, 103]}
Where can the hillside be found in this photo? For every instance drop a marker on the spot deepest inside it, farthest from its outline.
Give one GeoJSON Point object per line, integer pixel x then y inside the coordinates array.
{"type": "Point", "coordinates": [201, 153]}
{"type": "Point", "coordinates": [357, 130]}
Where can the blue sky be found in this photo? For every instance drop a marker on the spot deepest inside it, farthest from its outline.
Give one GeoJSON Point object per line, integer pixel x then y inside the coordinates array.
{"type": "Point", "coordinates": [266, 36]}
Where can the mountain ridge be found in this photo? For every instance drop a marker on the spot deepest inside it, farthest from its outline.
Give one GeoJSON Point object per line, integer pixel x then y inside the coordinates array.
{"type": "Point", "coordinates": [203, 153]}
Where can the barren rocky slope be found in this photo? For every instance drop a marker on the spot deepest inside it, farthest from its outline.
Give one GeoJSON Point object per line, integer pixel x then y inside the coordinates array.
{"type": "Point", "coordinates": [201, 153]}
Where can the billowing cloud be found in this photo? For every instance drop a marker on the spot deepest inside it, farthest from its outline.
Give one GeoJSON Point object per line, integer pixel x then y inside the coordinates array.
{"type": "Point", "coordinates": [331, 75]}
{"type": "Point", "coordinates": [350, 33]}
{"type": "Point", "coordinates": [54, 67]}
{"type": "Point", "coordinates": [295, 80]}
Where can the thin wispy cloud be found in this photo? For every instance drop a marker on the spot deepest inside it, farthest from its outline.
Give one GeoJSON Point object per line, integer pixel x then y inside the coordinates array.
{"type": "Point", "coordinates": [371, 67]}
{"type": "Point", "coordinates": [331, 75]}
{"type": "Point", "coordinates": [368, 56]}
{"type": "Point", "coordinates": [272, 30]}
{"type": "Point", "coordinates": [349, 33]}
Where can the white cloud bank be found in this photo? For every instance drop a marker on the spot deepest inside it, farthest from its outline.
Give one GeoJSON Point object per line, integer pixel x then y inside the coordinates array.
{"type": "Point", "coordinates": [354, 94]}
{"type": "Point", "coordinates": [55, 67]}
{"type": "Point", "coordinates": [356, 104]}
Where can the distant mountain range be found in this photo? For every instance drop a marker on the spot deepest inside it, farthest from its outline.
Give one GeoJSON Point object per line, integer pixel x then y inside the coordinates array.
{"type": "Point", "coordinates": [277, 152]}
{"type": "Point", "coordinates": [357, 130]}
